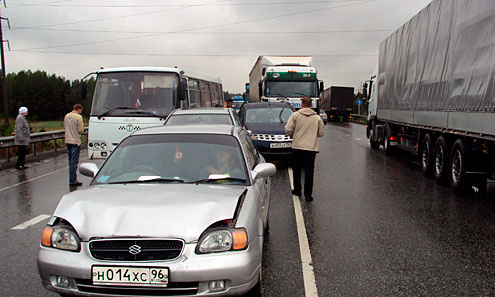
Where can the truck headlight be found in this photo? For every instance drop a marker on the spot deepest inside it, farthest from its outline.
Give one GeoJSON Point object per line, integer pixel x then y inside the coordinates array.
{"type": "Point", "coordinates": [222, 240]}
{"type": "Point", "coordinates": [60, 238]}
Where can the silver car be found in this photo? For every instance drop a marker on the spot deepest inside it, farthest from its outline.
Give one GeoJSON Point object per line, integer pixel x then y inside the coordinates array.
{"type": "Point", "coordinates": [177, 210]}
{"type": "Point", "coordinates": [203, 116]}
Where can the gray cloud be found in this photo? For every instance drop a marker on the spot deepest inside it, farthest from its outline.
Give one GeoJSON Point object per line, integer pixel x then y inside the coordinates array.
{"type": "Point", "coordinates": [240, 50]}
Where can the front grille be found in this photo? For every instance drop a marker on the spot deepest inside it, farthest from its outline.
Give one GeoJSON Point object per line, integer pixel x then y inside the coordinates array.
{"type": "Point", "coordinates": [272, 137]}
{"type": "Point", "coordinates": [136, 249]}
{"type": "Point", "coordinates": [173, 289]}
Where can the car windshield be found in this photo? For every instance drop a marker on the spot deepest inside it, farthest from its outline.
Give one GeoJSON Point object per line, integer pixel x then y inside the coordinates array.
{"type": "Point", "coordinates": [175, 158]}
{"type": "Point", "coordinates": [268, 115]}
{"type": "Point", "coordinates": [199, 119]}
{"type": "Point", "coordinates": [135, 94]}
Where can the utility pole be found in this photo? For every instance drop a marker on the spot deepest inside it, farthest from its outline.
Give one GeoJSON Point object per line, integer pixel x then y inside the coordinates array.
{"type": "Point", "coordinates": [4, 79]}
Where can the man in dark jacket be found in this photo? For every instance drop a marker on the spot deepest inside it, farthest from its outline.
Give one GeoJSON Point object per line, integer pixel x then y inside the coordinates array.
{"type": "Point", "coordinates": [22, 137]}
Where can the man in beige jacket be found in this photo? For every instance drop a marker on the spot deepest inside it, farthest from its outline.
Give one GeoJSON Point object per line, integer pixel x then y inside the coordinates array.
{"type": "Point", "coordinates": [304, 126]}
{"type": "Point", "coordinates": [74, 127]}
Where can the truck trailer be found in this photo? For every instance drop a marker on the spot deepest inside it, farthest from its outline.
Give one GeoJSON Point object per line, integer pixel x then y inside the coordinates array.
{"type": "Point", "coordinates": [337, 103]}
{"type": "Point", "coordinates": [284, 78]}
{"type": "Point", "coordinates": [433, 92]}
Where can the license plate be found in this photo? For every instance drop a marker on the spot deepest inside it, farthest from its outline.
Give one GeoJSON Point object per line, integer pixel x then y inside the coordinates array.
{"type": "Point", "coordinates": [130, 276]}
{"type": "Point", "coordinates": [280, 145]}
{"type": "Point", "coordinates": [295, 104]}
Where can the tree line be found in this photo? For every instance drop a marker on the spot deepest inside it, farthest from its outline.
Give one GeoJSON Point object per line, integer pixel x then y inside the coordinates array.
{"type": "Point", "coordinates": [48, 97]}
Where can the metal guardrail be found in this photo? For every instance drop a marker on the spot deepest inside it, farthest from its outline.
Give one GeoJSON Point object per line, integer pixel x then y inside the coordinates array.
{"type": "Point", "coordinates": [360, 119]}
{"type": "Point", "coordinates": [8, 142]}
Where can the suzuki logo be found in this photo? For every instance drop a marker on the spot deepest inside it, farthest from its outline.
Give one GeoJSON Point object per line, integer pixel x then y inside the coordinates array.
{"type": "Point", "coordinates": [135, 249]}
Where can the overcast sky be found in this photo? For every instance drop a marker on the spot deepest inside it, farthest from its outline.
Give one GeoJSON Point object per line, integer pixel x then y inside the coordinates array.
{"type": "Point", "coordinates": [220, 38]}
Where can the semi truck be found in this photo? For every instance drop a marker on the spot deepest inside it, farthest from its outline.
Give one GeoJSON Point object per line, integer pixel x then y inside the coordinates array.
{"type": "Point", "coordinates": [284, 78]}
{"type": "Point", "coordinates": [337, 103]}
{"type": "Point", "coordinates": [433, 92]}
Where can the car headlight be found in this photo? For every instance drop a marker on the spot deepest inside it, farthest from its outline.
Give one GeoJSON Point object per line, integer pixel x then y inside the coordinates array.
{"type": "Point", "coordinates": [222, 240]}
{"type": "Point", "coordinates": [60, 238]}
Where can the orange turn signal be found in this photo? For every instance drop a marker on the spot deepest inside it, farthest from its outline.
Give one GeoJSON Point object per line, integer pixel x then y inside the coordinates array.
{"type": "Point", "coordinates": [46, 236]}
{"type": "Point", "coordinates": [240, 239]}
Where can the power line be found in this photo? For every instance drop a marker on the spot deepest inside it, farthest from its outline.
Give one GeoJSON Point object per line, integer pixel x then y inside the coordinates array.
{"type": "Point", "coordinates": [202, 28]}
{"type": "Point", "coordinates": [176, 5]}
{"type": "Point", "coordinates": [183, 55]}
{"type": "Point", "coordinates": [128, 15]}
{"type": "Point", "coordinates": [207, 32]}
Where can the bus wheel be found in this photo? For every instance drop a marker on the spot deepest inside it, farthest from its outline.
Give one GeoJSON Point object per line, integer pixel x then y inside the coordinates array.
{"type": "Point", "coordinates": [458, 166]}
{"type": "Point", "coordinates": [427, 155]}
{"type": "Point", "coordinates": [440, 166]}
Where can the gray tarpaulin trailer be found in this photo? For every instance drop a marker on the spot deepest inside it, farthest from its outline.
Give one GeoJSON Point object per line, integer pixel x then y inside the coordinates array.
{"type": "Point", "coordinates": [434, 91]}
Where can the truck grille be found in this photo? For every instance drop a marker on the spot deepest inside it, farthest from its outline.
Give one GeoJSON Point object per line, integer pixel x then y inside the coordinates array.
{"type": "Point", "coordinates": [272, 137]}
{"type": "Point", "coordinates": [136, 249]}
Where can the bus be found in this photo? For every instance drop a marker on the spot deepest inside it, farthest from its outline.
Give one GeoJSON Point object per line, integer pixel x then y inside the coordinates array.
{"type": "Point", "coordinates": [127, 99]}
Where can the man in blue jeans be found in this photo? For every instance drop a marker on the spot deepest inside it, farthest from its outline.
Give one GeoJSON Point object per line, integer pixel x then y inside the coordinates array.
{"type": "Point", "coordinates": [74, 127]}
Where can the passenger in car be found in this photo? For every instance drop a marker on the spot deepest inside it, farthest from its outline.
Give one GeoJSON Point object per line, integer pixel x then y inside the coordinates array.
{"type": "Point", "coordinates": [223, 164]}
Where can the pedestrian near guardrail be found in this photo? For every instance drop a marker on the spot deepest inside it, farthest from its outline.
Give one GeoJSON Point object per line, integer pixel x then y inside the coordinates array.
{"type": "Point", "coordinates": [74, 127]}
{"type": "Point", "coordinates": [22, 137]}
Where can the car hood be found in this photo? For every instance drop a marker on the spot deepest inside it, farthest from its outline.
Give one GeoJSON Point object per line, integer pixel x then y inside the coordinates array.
{"type": "Point", "coordinates": [148, 210]}
{"type": "Point", "coordinates": [267, 128]}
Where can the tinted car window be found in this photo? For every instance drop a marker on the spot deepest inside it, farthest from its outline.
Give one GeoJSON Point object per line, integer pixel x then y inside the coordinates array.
{"type": "Point", "coordinates": [268, 115]}
{"type": "Point", "coordinates": [199, 119]}
{"type": "Point", "coordinates": [184, 158]}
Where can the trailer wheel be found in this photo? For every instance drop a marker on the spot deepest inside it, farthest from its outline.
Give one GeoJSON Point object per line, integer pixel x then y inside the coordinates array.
{"type": "Point", "coordinates": [458, 166]}
{"type": "Point", "coordinates": [440, 166]}
{"type": "Point", "coordinates": [427, 155]}
{"type": "Point", "coordinates": [374, 144]}
{"type": "Point", "coordinates": [389, 150]}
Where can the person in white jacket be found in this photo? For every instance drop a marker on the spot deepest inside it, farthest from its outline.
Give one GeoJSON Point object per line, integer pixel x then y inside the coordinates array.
{"type": "Point", "coordinates": [304, 126]}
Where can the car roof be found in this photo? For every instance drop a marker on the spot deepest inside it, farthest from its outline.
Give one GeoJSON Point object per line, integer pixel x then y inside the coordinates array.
{"type": "Point", "coordinates": [190, 129]}
{"type": "Point", "coordinates": [266, 104]}
{"type": "Point", "coordinates": [202, 110]}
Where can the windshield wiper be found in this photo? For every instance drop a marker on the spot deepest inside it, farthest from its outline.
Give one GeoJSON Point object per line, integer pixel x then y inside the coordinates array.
{"type": "Point", "coordinates": [300, 94]}
{"type": "Point", "coordinates": [145, 112]}
{"type": "Point", "coordinates": [280, 115]}
{"type": "Point", "coordinates": [151, 180]}
{"type": "Point", "coordinates": [114, 109]}
{"type": "Point", "coordinates": [220, 178]}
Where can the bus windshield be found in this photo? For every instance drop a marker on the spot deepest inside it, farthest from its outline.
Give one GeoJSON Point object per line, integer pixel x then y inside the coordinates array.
{"type": "Point", "coordinates": [291, 88]}
{"type": "Point", "coordinates": [135, 94]}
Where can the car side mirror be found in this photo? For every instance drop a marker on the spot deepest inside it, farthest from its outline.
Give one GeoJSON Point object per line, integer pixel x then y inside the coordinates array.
{"type": "Point", "coordinates": [263, 170]}
{"type": "Point", "coordinates": [88, 169]}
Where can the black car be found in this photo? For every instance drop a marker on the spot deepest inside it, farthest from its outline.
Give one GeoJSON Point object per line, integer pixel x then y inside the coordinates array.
{"type": "Point", "coordinates": [267, 122]}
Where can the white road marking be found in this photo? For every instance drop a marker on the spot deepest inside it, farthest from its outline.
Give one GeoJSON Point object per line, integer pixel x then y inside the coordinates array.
{"type": "Point", "coordinates": [26, 181]}
{"type": "Point", "coordinates": [31, 222]}
{"type": "Point", "coordinates": [307, 264]}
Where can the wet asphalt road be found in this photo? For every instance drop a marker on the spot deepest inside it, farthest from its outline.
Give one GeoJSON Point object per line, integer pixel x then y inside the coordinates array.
{"type": "Point", "coordinates": [375, 228]}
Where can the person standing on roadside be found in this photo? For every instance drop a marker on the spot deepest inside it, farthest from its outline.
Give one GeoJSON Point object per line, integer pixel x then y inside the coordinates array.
{"type": "Point", "coordinates": [74, 127]}
{"type": "Point", "coordinates": [22, 137]}
{"type": "Point", "coordinates": [304, 126]}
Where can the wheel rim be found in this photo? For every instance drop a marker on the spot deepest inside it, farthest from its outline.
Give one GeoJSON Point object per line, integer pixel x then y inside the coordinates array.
{"type": "Point", "coordinates": [426, 154]}
{"type": "Point", "coordinates": [456, 166]}
{"type": "Point", "coordinates": [439, 161]}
